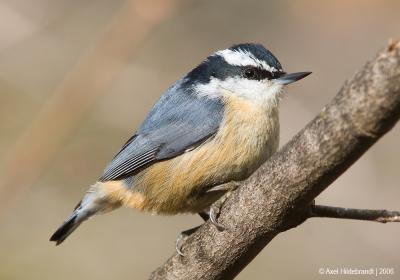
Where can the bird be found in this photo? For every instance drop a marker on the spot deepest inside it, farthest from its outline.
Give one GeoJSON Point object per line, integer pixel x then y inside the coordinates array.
{"type": "Point", "coordinates": [210, 130]}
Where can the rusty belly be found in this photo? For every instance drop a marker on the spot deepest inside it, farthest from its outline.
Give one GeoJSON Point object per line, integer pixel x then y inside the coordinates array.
{"type": "Point", "coordinates": [243, 142]}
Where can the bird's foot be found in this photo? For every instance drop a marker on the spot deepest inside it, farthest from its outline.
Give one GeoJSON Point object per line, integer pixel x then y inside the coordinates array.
{"type": "Point", "coordinates": [181, 237]}
{"type": "Point", "coordinates": [213, 214]}
{"type": "Point", "coordinates": [215, 209]}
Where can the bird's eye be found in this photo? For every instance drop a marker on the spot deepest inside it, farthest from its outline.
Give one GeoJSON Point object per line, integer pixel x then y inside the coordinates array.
{"type": "Point", "coordinates": [250, 73]}
{"type": "Point", "coordinates": [254, 73]}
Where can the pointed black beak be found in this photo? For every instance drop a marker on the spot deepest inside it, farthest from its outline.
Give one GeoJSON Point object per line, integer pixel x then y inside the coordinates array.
{"type": "Point", "coordinates": [290, 78]}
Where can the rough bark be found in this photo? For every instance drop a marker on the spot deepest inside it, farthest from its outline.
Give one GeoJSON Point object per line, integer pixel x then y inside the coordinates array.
{"type": "Point", "coordinates": [278, 196]}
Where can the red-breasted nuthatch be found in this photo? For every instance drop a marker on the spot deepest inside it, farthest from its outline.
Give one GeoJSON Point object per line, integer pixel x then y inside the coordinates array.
{"type": "Point", "coordinates": [214, 126]}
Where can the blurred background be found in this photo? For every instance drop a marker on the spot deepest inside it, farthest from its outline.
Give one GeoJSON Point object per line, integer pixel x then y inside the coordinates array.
{"type": "Point", "coordinates": [77, 78]}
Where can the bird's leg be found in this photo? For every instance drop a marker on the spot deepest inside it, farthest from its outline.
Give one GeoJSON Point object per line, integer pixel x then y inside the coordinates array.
{"type": "Point", "coordinates": [187, 233]}
{"type": "Point", "coordinates": [227, 187]}
{"type": "Point", "coordinates": [181, 237]}
{"type": "Point", "coordinates": [216, 207]}
{"type": "Point", "coordinates": [211, 214]}
{"type": "Point", "coordinates": [204, 216]}
{"type": "Point", "coordinates": [214, 210]}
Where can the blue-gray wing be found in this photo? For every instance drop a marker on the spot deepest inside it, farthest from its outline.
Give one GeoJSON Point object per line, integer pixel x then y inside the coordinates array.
{"type": "Point", "coordinates": [178, 121]}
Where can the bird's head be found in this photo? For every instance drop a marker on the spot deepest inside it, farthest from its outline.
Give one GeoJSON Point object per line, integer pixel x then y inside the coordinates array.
{"type": "Point", "coordinates": [248, 71]}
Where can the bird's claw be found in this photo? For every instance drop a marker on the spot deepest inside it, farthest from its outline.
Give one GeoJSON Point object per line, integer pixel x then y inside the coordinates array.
{"type": "Point", "coordinates": [213, 214]}
{"type": "Point", "coordinates": [181, 237]}
{"type": "Point", "coordinates": [216, 207]}
{"type": "Point", "coordinates": [178, 244]}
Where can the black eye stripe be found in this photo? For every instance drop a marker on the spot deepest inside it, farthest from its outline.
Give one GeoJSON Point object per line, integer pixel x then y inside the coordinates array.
{"type": "Point", "coordinates": [255, 73]}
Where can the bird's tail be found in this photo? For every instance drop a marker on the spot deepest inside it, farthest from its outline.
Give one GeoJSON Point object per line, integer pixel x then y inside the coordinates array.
{"type": "Point", "coordinates": [95, 201]}
{"type": "Point", "coordinates": [77, 217]}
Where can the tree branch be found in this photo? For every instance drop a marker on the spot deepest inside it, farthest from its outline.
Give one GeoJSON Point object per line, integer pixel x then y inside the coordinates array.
{"type": "Point", "coordinates": [382, 216]}
{"type": "Point", "coordinates": [279, 194]}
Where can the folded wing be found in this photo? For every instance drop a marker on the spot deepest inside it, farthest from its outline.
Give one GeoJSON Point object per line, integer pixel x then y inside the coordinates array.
{"type": "Point", "coordinates": [180, 120]}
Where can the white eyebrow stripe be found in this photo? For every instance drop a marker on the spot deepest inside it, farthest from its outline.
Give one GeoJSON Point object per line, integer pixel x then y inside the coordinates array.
{"type": "Point", "coordinates": [244, 58]}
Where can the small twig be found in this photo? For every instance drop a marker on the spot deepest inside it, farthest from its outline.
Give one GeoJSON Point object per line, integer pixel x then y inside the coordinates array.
{"type": "Point", "coordinates": [382, 216]}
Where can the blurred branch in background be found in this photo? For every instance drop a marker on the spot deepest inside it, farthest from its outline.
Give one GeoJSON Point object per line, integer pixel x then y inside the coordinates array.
{"type": "Point", "coordinates": [92, 76]}
{"type": "Point", "coordinates": [278, 195]}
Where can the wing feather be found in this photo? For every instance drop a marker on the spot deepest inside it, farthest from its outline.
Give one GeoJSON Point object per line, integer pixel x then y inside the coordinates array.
{"type": "Point", "coordinates": [178, 121]}
{"type": "Point", "coordinates": [130, 165]}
